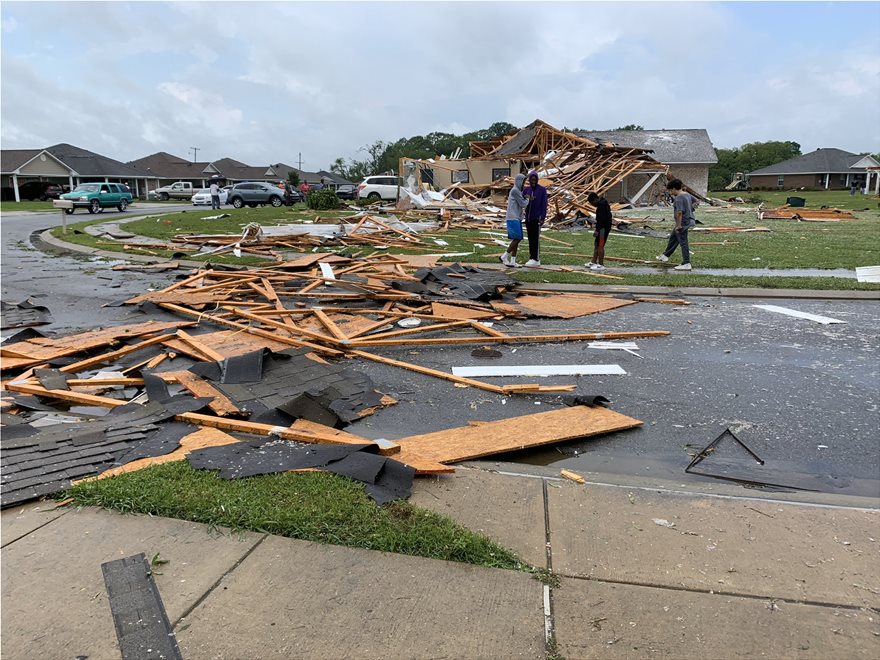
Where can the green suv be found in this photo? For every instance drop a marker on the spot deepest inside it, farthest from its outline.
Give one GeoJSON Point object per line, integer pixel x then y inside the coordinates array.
{"type": "Point", "coordinates": [98, 196]}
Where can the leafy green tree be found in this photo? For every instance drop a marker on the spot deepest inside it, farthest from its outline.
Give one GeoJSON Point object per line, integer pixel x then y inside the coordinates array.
{"type": "Point", "coordinates": [293, 177]}
{"type": "Point", "coordinates": [747, 158]}
{"type": "Point", "coordinates": [630, 127]}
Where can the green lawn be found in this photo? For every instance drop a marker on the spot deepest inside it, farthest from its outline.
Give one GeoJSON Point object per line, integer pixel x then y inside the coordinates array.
{"type": "Point", "coordinates": [840, 199]}
{"type": "Point", "coordinates": [789, 244]}
{"type": "Point", "coordinates": [315, 506]}
{"type": "Point", "coordinates": [10, 207]}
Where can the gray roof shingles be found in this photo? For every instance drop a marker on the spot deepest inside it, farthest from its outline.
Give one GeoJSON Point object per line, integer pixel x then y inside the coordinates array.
{"type": "Point", "coordinates": [821, 161]}
{"type": "Point", "coordinates": [12, 159]}
{"type": "Point", "coordinates": [674, 146]}
{"type": "Point", "coordinates": [88, 163]}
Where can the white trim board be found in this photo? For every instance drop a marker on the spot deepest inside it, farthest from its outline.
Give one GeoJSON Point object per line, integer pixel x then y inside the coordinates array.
{"type": "Point", "coordinates": [868, 274]}
{"type": "Point", "coordinates": [800, 315]}
{"type": "Point", "coordinates": [542, 370]}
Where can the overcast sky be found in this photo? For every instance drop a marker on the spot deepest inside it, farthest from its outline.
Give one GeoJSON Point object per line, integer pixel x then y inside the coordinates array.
{"type": "Point", "coordinates": [262, 82]}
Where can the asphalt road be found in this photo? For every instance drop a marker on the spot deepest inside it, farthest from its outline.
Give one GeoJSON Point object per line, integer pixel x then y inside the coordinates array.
{"type": "Point", "coordinates": [803, 396]}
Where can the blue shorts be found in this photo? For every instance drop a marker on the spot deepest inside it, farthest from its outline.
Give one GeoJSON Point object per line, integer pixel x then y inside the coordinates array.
{"type": "Point", "coordinates": [514, 230]}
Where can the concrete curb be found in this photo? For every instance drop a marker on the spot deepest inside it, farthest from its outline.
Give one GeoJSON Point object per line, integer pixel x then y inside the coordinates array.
{"type": "Point", "coordinates": [45, 240]}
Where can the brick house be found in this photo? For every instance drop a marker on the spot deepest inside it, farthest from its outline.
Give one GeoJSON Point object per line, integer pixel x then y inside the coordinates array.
{"type": "Point", "coordinates": [823, 169]}
{"type": "Point", "coordinates": [688, 152]}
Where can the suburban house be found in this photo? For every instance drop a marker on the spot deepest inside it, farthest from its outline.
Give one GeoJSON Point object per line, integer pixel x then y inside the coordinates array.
{"type": "Point", "coordinates": [163, 169]}
{"type": "Point", "coordinates": [688, 152]}
{"type": "Point", "coordinates": [823, 169]}
{"type": "Point", "coordinates": [65, 165]}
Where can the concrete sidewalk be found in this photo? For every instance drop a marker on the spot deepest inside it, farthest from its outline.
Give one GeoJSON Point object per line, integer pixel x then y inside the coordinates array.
{"type": "Point", "coordinates": [642, 573]}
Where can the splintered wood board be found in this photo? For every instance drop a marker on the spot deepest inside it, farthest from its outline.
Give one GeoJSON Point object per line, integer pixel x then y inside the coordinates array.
{"type": "Point", "coordinates": [468, 442]}
{"type": "Point", "coordinates": [204, 437]}
{"type": "Point", "coordinates": [312, 259]}
{"type": "Point", "coordinates": [183, 296]}
{"type": "Point", "coordinates": [464, 313]}
{"type": "Point", "coordinates": [228, 343]}
{"type": "Point", "coordinates": [46, 348]}
{"type": "Point", "coordinates": [415, 260]}
{"type": "Point", "coordinates": [570, 305]}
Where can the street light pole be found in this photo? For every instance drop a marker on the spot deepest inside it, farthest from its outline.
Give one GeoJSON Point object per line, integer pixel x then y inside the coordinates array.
{"type": "Point", "coordinates": [195, 151]}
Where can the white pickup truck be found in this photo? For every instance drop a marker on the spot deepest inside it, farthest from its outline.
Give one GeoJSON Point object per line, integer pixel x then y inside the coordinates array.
{"type": "Point", "coordinates": [179, 190]}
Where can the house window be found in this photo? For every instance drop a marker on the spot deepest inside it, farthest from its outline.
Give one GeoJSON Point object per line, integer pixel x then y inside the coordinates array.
{"type": "Point", "coordinates": [843, 179]}
{"type": "Point", "coordinates": [780, 181]}
{"type": "Point", "coordinates": [427, 175]}
{"type": "Point", "coordinates": [822, 179]}
{"type": "Point", "coordinates": [500, 173]}
{"type": "Point", "coordinates": [461, 176]}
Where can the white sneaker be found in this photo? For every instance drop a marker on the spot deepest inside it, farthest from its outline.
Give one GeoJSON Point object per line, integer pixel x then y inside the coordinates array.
{"type": "Point", "coordinates": [505, 259]}
{"type": "Point", "coordinates": [531, 263]}
{"type": "Point", "coordinates": [597, 267]}
{"type": "Point", "coordinates": [683, 267]}
{"type": "Point", "coordinates": [662, 257]}
{"type": "Point", "coordinates": [589, 264]}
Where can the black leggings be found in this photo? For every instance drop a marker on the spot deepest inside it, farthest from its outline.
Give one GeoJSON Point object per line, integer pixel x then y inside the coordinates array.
{"type": "Point", "coordinates": [533, 228]}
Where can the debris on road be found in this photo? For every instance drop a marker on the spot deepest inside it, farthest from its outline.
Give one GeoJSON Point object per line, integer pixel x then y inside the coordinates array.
{"type": "Point", "coordinates": [825, 320]}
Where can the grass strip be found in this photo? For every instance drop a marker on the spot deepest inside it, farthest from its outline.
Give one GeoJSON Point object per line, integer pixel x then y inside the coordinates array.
{"type": "Point", "coordinates": [312, 506]}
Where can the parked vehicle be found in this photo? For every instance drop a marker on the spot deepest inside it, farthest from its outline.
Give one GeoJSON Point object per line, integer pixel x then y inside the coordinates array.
{"type": "Point", "coordinates": [41, 190]}
{"type": "Point", "coordinates": [378, 187]}
{"type": "Point", "coordinates": [179, 190]}
{"type": "Point", "coordinates": [347, 191]}
{"type": "Point", "coordinates": [203, 196]}
{"type": "Point", "coordinates": [98, 196]}
{"type": "Point", "coordinates": [255, 193]}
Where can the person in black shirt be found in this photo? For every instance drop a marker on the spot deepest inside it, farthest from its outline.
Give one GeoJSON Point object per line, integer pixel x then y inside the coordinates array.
{"type": "Point", "coordinates": [603, 228]}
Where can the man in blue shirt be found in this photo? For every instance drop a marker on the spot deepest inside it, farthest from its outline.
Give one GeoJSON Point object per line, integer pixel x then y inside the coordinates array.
{"type": "Point", "coordinates": [536, 213]}
{"type": "Point", "coordinates": [684, 219]}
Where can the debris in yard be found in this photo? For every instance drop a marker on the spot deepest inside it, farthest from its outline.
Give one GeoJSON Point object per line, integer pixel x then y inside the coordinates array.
{"type": "Point", "coordinates": [663, 522]}
{"type": "Point", "coordinates": [485, 352]}
{"type": "Point", "coordinates": [825, 320]}
{"type": "Point", "coordinates": [573, 476]}
{"type": "Point", "coordinates": [787, 212]}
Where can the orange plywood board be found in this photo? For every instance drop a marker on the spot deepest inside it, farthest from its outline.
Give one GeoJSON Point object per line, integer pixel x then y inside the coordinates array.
{"type": "Point", "coordinates": [569, 305]}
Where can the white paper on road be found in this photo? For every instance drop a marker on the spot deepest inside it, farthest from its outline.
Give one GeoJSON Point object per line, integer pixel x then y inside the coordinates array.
{"type": "Point", "coordinates": [800, 315]}
{"type": "Point", "coordinates": [542, 370]}
{"type": "Point", "coordinates": [628, 346]}
{"type": "Point", "coordinates": [327, 271]}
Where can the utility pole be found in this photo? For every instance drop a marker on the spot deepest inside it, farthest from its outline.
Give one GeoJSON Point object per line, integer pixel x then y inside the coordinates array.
{"type": "Point", "coordinates": [195, 151]}
{"type": "Point", "coordinates": [299, 164]}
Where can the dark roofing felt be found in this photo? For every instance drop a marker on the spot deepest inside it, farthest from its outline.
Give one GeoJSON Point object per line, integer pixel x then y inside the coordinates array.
{"type": "Point", "coordinates": [821, 161]}
{"type": "Point", "coordinates": [686, 145]}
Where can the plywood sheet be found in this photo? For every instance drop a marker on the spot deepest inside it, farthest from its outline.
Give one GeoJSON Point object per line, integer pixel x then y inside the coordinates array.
{"type": "Point", "coordinates": [570, 305]}
{"type": "Point", "coordinates": [228, 343]}
{"type": "Point", "coordinates": [468, 442]}
{"type": "Point", "coordinates": [45, 348]}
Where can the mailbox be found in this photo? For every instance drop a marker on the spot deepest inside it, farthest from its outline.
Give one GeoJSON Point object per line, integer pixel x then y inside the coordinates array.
{"type": "Point", "coordinates": [62, 203]}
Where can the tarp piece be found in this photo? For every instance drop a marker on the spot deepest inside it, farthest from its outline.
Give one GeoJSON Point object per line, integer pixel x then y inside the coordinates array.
{"type": "Point", "coordinates": [385, 479]}
{"type": "Point", "coordinates": [287, 375]}
{"type": "Point", "coordinates": [142, 626]}
{"type": "Point", "coordinates": [42, 463]}
{"type": "Point", "coordinates": [23, 314]}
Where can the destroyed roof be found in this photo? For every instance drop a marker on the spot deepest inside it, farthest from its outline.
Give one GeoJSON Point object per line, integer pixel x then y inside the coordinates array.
{"type": "Point", "coordinates": [821, 161]}
{"type": "Point", "coordinates": [673, 147]}
{"type": "Point", "coordinates": [335, 178]}
{"type": "Point", "coordinates": [12, 159]}
{"type": "Point", "coordinates": [168, 166]}
{"type": "Point", "coordinates": [87, 163]}
{"type": "Point", "coordinates": [528, 140]}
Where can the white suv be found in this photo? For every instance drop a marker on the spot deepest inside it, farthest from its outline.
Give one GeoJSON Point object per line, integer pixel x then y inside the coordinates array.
{"type": "Point", "coordinates": [378, 187]}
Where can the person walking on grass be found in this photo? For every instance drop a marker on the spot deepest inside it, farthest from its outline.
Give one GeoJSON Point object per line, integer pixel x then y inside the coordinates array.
{"type": "Point", "coordinates": [603, 229]}
{"type": "Point", "coordinates": [536, 213]}
{"type": "Point", "coordinates": [684, 219]}
{"type": "Point", "coordinates": [215, 196]}
{"type": "Point", "coordinates": [516, 206]}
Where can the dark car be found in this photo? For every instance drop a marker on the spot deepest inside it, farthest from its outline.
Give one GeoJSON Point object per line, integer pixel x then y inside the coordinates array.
{"type": "Point", "coordinates": [254, 193]}
{"type": "Point", "coordinates": [41, 190]}
{"type": "Point", "coordinates": [346, 191]}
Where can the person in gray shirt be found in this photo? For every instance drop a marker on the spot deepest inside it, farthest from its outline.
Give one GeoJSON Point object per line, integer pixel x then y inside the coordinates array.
{"type": "Point", "coordinates": [683, 209]}
{"type": "Point", "coordinates": [516, 207]}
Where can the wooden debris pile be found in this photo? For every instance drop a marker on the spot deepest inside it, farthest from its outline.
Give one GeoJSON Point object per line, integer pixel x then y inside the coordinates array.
{"type": "Point", "coordinates": [803, 214]}
{"type": "Point", "coordinates": [275, 361]}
